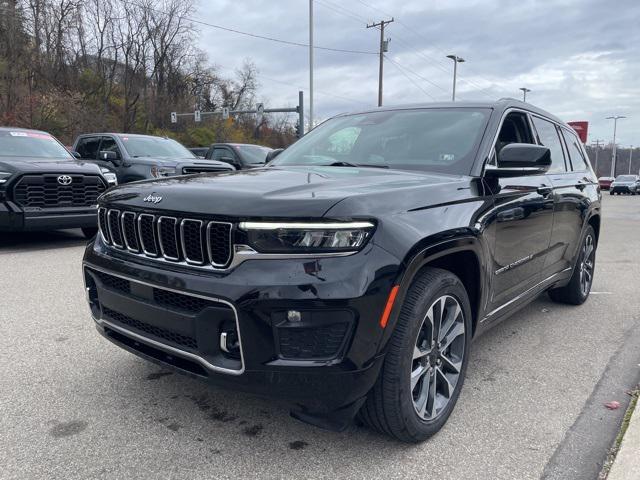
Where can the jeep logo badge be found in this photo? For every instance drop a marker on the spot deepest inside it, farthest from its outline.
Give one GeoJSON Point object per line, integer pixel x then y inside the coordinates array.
{"type": "Point", "coordinates": [152, 198]}
{"type": "Point", "coordinates": [65, 180]}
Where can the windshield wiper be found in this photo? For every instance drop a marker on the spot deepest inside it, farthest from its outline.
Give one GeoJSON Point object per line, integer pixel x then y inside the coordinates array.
{"type": "Point", "coordinates": [357, 165]}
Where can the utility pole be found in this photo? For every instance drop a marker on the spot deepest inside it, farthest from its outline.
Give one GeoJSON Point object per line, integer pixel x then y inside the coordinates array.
{"type": "Point", "coordinates": [630, 157]}
{"type": "Point", "coordinates": [384, 47]}
{"type": "Point", "coordinates": [615, 119]}
{"type": "Point", "coordinates": [525, 90]}
{"type": "Point", "coordinates": [597, 144]}
{"type": "Point", "coordinates": [310, 67]}
{"type": "Point", "coordinates": [456, 60]}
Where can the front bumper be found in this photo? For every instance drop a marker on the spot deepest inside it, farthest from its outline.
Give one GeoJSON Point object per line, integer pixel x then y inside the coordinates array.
{"type": "Point", "coordinates": [15, 219]}
{"type": "Point", "coordinates": [623, 189]}
{"type": "Point", "coordinates": [326, 385]}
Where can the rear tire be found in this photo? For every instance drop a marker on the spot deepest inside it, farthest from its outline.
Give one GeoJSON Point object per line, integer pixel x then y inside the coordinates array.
{"type": "Point", "coordinates": [579, 287]}
{"type": "Point", "coordinates": [90, 232]}
{"type": "Point", "coordinates": [424, 369]}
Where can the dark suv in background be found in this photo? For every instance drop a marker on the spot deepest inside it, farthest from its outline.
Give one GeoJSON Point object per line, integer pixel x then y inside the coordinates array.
{"type": "Point", "coordinates": [351, 275]}
{"type": "Point", "coordinates": [240, 155]}
{"type": "Point", "coordinates": [139, 157]}
{"type": "Point", "coordinates": [43, 187]}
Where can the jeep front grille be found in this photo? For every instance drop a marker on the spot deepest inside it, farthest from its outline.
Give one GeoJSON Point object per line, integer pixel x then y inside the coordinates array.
{"type": "Point", "coordinates": [179, 240]}
{"type": "Point", "coordinates": [44, 191]}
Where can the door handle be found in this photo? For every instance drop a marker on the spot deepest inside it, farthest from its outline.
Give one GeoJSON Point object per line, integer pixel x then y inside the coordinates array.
{"type": "Point", "coordinates": [544, 190]}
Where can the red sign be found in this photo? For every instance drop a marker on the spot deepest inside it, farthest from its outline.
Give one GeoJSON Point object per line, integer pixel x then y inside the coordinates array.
{"type": "Point", "coordinates": [581, 128]}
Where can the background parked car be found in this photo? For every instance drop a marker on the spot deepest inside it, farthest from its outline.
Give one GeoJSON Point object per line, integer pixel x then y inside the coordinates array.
{"type": "Point", "coordinates": [240, 155]}
{"type": "Point", "coordinates": [625, 184]}
{"type": "Point", "coordinates": [139, 157]}
{"type": "Point", "coordinates": [44, 187]}
{"type": "Point", "coordinates": [199, 151]}
{"type": "Point", "coordinates": [605, 182]}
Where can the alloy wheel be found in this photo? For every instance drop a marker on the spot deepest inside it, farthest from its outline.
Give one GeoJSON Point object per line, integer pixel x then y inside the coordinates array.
{"type": "Point", "coordinates": [438, 356]}
{"type": "Point", "coordinates": [587, 264]}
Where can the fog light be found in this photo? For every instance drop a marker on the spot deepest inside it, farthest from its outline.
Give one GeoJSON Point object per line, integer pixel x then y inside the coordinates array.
{"type": "Point", "coordinates": [294, 316]}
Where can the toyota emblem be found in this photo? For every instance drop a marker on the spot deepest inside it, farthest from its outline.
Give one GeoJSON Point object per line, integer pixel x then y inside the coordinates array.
{"type": "Point", "coordinates": [65, 180]}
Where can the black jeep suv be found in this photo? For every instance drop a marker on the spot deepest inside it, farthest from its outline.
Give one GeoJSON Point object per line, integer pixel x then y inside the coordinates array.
{"type": "Point", "coordinates": [43, 187]}
{"type": "Point", "coordinates": [351, 275]}
{"type": "Point", "coordinates": [140, 157]}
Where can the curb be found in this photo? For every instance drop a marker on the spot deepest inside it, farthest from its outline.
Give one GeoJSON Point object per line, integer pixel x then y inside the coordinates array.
{"type": "Point", "coordinates": [626, 465]}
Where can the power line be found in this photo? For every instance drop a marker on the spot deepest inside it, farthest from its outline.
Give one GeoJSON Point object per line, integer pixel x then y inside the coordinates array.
{"type": "Point", "coordinates": [401, 70]}
{"type": "Point", "coordinates": [253, 35]}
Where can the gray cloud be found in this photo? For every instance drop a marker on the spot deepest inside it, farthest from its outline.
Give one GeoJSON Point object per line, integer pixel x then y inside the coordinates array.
{"type": "Point", "coordinates": [579, 57]}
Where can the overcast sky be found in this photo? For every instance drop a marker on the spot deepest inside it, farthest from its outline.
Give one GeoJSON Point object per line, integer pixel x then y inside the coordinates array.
{"type": "Point", "coordinates": [580, 58]}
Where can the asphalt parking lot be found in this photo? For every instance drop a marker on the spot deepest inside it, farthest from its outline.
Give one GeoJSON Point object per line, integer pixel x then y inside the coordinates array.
{"type": "Point", "coordinates": [74, 406]}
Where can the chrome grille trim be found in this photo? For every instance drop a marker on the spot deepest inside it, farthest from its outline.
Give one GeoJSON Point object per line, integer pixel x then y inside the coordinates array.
{"type": "Point", "coordinates": [161, 241]}
{"type": "Point", "coordinates": [184, 247]}
{"type": "Point", "coordinates": [103, 225]}
{"type": "Point", "coordinates": [135, 232]}
{"type": "Point", "coordinates": [113, 239]}
{"type": "Point", "coordinates": [209, 251]}
{"type": "Point", "coordinates": [147, 252]}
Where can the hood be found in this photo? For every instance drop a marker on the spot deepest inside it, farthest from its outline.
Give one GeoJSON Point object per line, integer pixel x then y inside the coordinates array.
{"type": "Point", "coordinates": [182, 162]}
{"type": "Point", "coordinates": [283, 191]}
{"type": "Point", "coordinates": [22, 165]}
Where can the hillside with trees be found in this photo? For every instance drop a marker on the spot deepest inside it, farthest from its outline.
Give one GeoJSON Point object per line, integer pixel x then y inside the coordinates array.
{"type": "Point", "coordinates": [73, 66]}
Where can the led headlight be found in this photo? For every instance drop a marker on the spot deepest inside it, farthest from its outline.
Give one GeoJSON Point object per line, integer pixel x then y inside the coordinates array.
{"type": "Point", "coordinates": [109, 176]}
{"type": "Point", "coordinates": [4, 176]}
{"type": "Point", "coordinates": [320, 237]}
{"type": "Point", "coordinates": [158, 172]}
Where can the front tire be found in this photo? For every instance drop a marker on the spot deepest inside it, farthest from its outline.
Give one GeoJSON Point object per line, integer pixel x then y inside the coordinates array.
{"type": "Point", "coordinates": [426, 360]}
{"type": "Point", "coordinates": [577, 290]}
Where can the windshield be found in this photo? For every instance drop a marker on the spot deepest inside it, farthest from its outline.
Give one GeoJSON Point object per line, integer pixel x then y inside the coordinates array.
{"type": "Point", "coordinates": [253, 154]}
{"type": "Point", "coordinates": [156, 147]}
{"type": "Point", "coordinates": [625, 178]}
{"type": "Point", "coordinates": [438, 139]}
{"type": "Point", "coordinates": [30, 144]}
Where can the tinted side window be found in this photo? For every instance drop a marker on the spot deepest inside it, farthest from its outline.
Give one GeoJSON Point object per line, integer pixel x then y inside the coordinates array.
{"type": "Point", "coordinates": [109, 145]}
{"type": "Point", "coordinates": [578, 161]}
{"type": "Point", "coordinates": [88, 147]}
{"type": "Point", "coordinates": [548, 136]}
{"type": "Point", "coordinates": [218, 153]}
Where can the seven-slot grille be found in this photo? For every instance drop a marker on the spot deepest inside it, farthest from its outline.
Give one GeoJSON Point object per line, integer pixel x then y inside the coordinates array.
{"type": "Point", "coordinates": [44, 191]}
{"type": "Point", "coordinates": [195, 242]}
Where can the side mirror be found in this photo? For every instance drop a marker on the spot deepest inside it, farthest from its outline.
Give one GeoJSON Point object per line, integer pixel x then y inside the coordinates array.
{"type": "Point", "coordinates": [273, 154]}
{"type": "Point", "coordinates": [76, 154]}
{"type": "Point", "coordinates": [108, 155]}
{"type": "Point", "coordinates": [519, 159]}
{"type": "Point", "coordinates": [230, 161]}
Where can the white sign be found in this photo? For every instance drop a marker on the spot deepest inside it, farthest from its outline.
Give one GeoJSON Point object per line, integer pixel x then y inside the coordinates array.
{"type": "Point", "coordinates": [174, 117]}
{"type": "Point", "coordinates": [259, 112]}
{"type": "Point", "coordinates": [225, 113]}
{"type": "Point", "coordinates": [196, 115]}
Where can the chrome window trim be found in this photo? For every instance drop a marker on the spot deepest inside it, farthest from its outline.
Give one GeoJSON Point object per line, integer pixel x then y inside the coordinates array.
{"type": "Point", "coordinates": [175, 224]}
{"type": "Point", "coordinates": [135, 232]}
{"type": "Point", "coordinates": [153, 231]}
{"type": "Point", "coordinates": [184, 249]}
{"type": "Point", "coordinates": [209, 366]}
{"type": "Point", "coordinates": [113, 241]}
{"type": "Point", "coordinates": [231, 256]}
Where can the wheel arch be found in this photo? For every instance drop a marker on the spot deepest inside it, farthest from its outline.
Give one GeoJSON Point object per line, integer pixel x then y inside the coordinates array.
{"type": "Point", "coordinates": [462, 256]}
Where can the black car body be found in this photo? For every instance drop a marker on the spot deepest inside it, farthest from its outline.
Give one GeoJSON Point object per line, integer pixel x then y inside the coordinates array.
{"type": "Point", "coordinates": [141, 157]}
{"type": "Point", "coordinates": [43, 187]}
{"type": "Point", "coordinates": [625, 184]}
{"type": "Point", "coordinates": [240, 155]}
{"type": "Point", "coordinates": [294, 280]}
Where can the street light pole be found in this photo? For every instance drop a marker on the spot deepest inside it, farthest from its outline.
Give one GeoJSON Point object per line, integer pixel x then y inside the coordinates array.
{"type": "Point", "coordinates": [456, 61]}
{"type": "Point", "coordinates": [310, 66]}
{"type": "Point", "coordinates": [630, 157]}
{"type": "Point", "coordinates": [525, 90]}
{"type": "Point", "coordinates": [613, 154]}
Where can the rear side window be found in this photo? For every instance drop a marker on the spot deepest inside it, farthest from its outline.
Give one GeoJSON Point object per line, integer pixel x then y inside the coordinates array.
{"type": "Point", "coordinates": [548, 136]}
{"type": "Point", "coordinates": [88, 147]}
{"type": "Point", "coordinates": [219, 153]}
{"type": "Point", "coordinates": [578, 161]}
